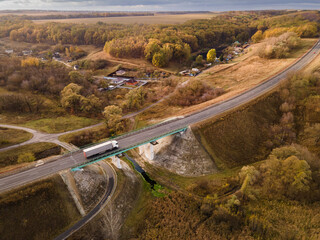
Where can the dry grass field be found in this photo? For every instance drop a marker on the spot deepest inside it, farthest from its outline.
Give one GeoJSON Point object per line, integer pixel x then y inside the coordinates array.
{"type": "Point", "coordinates": [235, 77]}
{"type": "Point", "coordinates": [38, 211]}
{"type": "Point", "coordinates": [156, 19]}
{"type": "Point", "coordinates": [39, 12]}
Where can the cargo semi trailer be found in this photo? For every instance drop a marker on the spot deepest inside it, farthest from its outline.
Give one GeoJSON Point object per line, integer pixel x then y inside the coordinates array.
{"type": "Point", "coordinates": [100, 148]}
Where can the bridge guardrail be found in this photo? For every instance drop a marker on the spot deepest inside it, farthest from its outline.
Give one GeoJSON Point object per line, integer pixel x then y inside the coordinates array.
{"type": "Point", "coordinates": [116, 152]}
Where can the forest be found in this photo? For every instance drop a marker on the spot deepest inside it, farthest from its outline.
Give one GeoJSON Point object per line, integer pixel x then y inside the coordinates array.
{"type": "Point", "coordinates": [167, 42]}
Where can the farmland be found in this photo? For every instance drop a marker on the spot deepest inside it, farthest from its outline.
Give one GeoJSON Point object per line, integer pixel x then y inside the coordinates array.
{"type": "Point", "coordinates": [156, 19]}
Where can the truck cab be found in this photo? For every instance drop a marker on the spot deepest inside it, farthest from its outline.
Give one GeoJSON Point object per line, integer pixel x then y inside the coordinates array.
{"type": "Point", "coordinates": [115, 144]}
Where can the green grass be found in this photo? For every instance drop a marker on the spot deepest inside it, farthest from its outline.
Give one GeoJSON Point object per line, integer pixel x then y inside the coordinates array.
{"type": "Point", "coordinates": [40, 150]}
{"type": "Point", "coordinates": [38, 211]}
{"type": "Point", "coordinates": [60, 124]}
{"type": "Point", "coordinates": [9, 136]}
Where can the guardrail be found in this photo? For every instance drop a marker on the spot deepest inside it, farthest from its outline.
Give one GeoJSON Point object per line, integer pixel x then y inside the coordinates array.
{"type": "Point", "coordinates": [116, 152]}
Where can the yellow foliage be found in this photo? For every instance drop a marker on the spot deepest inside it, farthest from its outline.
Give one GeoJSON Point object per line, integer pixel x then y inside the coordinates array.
{"type": "Point", "coordinates": [30, 61]}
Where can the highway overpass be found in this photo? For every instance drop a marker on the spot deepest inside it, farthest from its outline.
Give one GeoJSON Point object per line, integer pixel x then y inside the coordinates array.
{"type": "Point", "coordinates": [137, 138]}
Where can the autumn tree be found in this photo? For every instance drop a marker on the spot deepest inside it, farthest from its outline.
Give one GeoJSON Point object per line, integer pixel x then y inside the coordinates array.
{"type": "Point", "coordinates": [160, 59]}
{"type": "Point", "coordinates": [71, 97]}
{"type": "Point", "coordinates": [135, 98]}
{"type": "Point", "coordinates": [199, 60]}
{"type": "Point", "coordinates": [113, 115]}
{"type": "Point", "coordinates": [211, 56]}
{"type": "Point", "coordinates": [286, 174]}
{"type": "Point", "coordinates": [30, 61]}
{"type": "Point", "coordinates": [152, 47]}
{"type": "Point", "coordinates": [257, 37]}
{"type": "Point", "coordinates": [91, 105]}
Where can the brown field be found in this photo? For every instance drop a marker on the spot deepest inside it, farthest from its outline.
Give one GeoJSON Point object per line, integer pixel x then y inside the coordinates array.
{"type": "Point", "coordinates": [38, 12]}
{"type": "Point", "coordinates": [37, 211]}
{"type": "Point", "coordinates": [156, 19]}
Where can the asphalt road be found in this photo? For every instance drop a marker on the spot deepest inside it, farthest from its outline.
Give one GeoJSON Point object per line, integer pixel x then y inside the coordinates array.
{"type": "Point", "coordinates": [108, 193]}
{"type": "Point", "coordinates": [138, 137]}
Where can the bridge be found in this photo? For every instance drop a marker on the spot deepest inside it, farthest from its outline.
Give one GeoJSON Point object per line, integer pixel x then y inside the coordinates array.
{"type": "Point", "coordinates": [134, 139]}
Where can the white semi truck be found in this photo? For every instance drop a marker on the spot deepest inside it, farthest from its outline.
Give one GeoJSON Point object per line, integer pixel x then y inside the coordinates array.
{"type": "Point", "coordinates": [100, 148]}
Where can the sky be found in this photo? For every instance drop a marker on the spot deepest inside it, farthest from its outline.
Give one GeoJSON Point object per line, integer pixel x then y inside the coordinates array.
{"type": "Point", "coordinates": [158, 5]}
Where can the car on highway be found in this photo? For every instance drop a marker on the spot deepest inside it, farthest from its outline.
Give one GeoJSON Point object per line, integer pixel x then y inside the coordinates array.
{"type": "Point", "coordinates": [39, 163]}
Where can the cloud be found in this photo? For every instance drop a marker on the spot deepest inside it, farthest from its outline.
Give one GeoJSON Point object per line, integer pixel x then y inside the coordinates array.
{"type": "Point", "coordinates": [158, 5]}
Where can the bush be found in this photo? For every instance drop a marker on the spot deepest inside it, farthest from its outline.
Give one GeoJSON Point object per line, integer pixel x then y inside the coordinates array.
{"type": "Point", "coordinates": [194, 92]}
{"type": "Point", "coordinates": [279, 47]}
{"type": "Point", "coordinates": [26, 157]}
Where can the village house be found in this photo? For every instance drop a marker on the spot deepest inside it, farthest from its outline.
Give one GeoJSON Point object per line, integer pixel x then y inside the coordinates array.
{"type": "Point", "coordinates": [27, 52]}
{"type": "Point", "coordinates": [8, 51]}
{"type": "Point", "coordinates": [119, 81]}
{"type": "Point", "coordinates": [132, 82]}
{"type": "Point", "coordinates": [120, 72]}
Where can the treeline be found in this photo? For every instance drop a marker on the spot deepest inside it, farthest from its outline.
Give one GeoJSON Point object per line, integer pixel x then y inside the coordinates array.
{"type": "Point", "coordinates": [86, 15]}
{"type": "Point", "coordinates": [304, 24]}
{"type": "Point", "coordinates": [222, 29]}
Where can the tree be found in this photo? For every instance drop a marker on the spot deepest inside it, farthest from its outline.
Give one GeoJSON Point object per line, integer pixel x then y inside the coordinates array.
{"type": "Point", "coordinates": [286, 174]}
{"type": "Point", "coordinates": [113, 115]}
{"type": "Point", "coordinates": [152, 47]}
{"type": "Point", "coordinates": [257, 37]}
{"type": "Point", "coordinates": [71, 97]}
{"type": "Point", "coordinates": [135, 98]}
{"type": "Point", "coordinates": [211, 56]}
{"type": "Point", "coordinates": [91, 105]}
{"type": "Point", "coordinates": [30, 61]}
{"type": "Point", "coordinates": [160, 59]}
{"type": "Point", "coordinates": [26, 157]}
{"type": "Point", "coordinates": [199, 60]}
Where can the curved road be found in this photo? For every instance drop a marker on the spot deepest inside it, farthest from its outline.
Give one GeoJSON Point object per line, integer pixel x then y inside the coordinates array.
{"type": "Point", "coordinates": [112, 184]}
{"type": "Point", "coordinates": [135, 138]}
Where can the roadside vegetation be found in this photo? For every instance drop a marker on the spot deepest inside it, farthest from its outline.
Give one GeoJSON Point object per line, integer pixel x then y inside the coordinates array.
{"type": "Point", "coordinates": [278, 136]}
{"type": "Point", "coordinates": [11, 136]}
{"type": "Point", "coordinates": [40, 211]}
{"type": "Point", "coordinates": [28, 153]}
{"type": "Point", "coordinates": [60, 124]}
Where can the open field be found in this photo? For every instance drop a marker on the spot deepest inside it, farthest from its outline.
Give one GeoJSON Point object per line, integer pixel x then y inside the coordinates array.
{"type": "Point", "coordinates": [10, 137]}
{"type": "Point", "coordinates": [60, 124]}
{"type": "Point", "coordinates": [38, 211]}
{"type": "Point", "coordinates": [156, 19]}
{"type": "Point", "coordinates": [40, 150]}
{"type": "Point", "coordinates": [38, 12]}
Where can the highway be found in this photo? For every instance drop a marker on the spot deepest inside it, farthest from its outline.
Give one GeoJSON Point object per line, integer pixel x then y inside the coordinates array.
{"type": "Point", "coordinates": [135, 138]}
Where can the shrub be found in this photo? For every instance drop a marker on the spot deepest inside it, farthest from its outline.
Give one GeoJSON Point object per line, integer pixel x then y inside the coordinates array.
{"type": "Point", "coordinates": [194, 92]}
{"type": "Point", "coordinates": [26, 157]}
{"type": "Point", "coordinates": [279, 47]}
